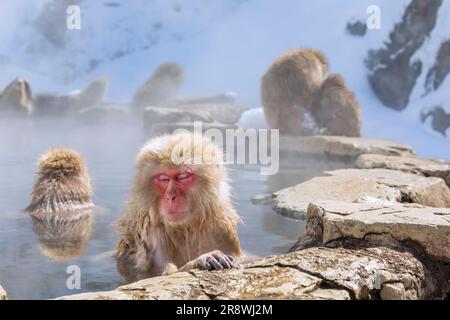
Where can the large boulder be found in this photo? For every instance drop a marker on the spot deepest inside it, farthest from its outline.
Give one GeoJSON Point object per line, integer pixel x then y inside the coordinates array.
{"type": "Point", "coordinates": [361, 185]}
{"type": "Point", "coordinates": [424, 228]}
{"type": "Point", "coordinates": [421, 232]}
{"type": "Point", "coordinates": [16, 98]}
{"type": "Point", "coordinates": [426, 167]}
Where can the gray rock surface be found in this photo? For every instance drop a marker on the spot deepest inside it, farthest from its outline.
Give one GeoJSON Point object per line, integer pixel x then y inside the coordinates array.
{"type": "Point", "coordinates": [426, 167]}
{"type": "Point", "coordinates": [426, 227]}
{"type": "Point", "coordinates": [376, 186]}
{"type": "Point", "coordinates": [342, 146]}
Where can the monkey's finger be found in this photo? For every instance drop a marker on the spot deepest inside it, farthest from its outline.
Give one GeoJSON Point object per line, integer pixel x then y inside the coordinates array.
{"type": "Point", "coordinates": [214, 263]}
{"type": "Point", "coordinates": [204, 265]}
{"type": "Point", "coordinates": [224, 260]}
{"type": "Point", "coordinates": [234, 261]}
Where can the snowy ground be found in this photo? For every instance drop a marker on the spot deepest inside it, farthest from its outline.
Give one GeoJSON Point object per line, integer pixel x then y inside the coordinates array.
{"type": "Point", "coordinates": [227, 47]}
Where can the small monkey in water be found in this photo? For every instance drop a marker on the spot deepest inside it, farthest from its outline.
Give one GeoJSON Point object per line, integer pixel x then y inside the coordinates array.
{"type": "Point", "coordinates": [61, 204]}
{"type": "Point", "coordinates": [63, 184]}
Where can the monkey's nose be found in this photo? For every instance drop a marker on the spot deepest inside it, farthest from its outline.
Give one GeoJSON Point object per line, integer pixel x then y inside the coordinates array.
{"type": "Point", "coordinates": [171, 197]}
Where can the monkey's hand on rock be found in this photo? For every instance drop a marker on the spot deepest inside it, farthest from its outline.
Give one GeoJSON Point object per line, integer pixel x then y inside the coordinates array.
{"type": "Point", "coordinates": [214, 260]}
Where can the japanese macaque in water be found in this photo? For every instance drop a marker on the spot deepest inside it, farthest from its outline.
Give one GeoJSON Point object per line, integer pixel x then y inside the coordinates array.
{"type": "Point", "coordinates": [62, 186]}
{"type": "Point", "coordinates": [61, 205]}
{"type": "Point", "coordinates": [179, 215]}
{"type": "Point", "coordinates": [163, 86]}
{"type": "Point", "coordinates": [288, 88]}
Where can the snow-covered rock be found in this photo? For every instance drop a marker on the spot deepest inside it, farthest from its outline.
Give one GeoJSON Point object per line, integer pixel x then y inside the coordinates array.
{"type": "Point", "coordinates": [253, 118]}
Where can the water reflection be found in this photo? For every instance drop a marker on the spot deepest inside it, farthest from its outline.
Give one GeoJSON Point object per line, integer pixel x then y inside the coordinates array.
{"type": "Point", "coordinates": [62, 238]}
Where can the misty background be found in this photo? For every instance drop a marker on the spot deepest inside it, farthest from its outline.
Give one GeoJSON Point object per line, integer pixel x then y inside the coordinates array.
{"type": "Point", "coordinates": [223, 46]}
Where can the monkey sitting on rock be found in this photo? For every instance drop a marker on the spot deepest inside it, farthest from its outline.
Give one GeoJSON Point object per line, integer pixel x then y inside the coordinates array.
{"type": "Point", "coordinates": [179, 215]}
{"type": "Point", "coordinates": [299, 99]}
{"type": "Point", "coordinates": [335, 108]}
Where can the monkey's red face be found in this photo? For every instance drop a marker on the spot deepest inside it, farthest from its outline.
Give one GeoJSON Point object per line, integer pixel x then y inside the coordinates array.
{"type": "Point", "coordinates": [175, 188]}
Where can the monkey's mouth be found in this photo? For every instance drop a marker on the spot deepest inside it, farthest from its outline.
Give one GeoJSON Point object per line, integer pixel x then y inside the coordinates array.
{"type": "Point", "coordinates": [176, 215]}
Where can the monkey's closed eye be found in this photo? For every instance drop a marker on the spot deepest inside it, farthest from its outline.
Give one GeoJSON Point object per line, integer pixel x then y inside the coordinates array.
{"type": "Point", "coordinates": [161, 178]}
{"type": "Point", "coordinates": [183, 176]}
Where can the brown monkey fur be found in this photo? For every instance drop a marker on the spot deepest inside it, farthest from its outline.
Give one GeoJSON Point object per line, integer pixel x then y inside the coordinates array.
{"type": "Point", "coordinates": [149, 243]}
{"type": "Point", "coordinates": [162, 86]}
{"type": "Point", "coordinates": [62, 185]}
{"type": "Point", "coordinates": [336, 110]}
{"type": "Point", "coordinates": [288, 88]}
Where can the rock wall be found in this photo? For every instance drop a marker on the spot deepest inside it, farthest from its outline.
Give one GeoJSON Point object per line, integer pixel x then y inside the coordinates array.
{"type": "Point", "coordinates": [393, 74]}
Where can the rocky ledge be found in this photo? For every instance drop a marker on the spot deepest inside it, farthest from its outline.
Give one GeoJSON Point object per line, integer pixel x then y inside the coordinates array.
{"type": "Point", "coordinates": [347, 147]}
{"type": "Point", "coordinates": [377, 230]}
{"type": "Point", "coordinates": [381, 186]}
{"type": "Point", "coordinates": [313, 273]}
